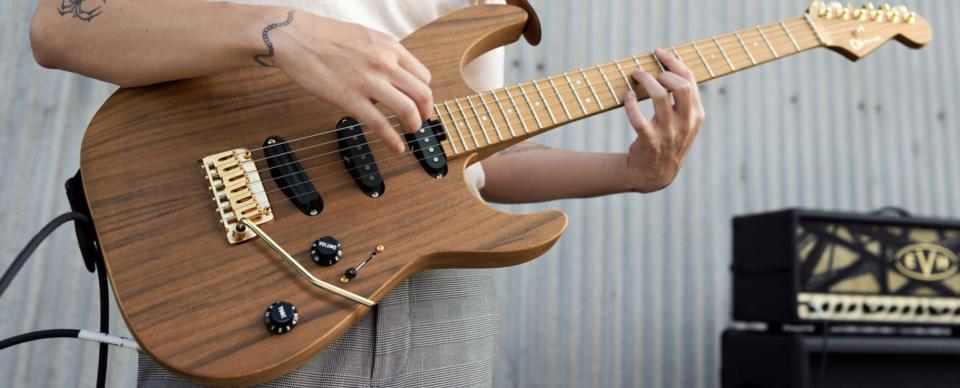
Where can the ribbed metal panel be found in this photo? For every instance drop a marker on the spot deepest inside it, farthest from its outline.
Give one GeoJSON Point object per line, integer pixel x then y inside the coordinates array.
{"type": "Point", "coordinates": [637, 291]}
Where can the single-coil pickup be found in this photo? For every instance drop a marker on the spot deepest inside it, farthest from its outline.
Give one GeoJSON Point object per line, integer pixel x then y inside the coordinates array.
{"type": "Point", "coordinates": [291, 177]}
{"type": "Point", "coordinates": [425, 146]}
{"type": "Point", "coordinates": [358, 158]}
{"type": "Point", "coordinates": [237, 191]}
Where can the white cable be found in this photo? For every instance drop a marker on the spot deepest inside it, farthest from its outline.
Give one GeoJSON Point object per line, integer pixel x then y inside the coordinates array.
{"type": "Point", "coordinates": [109, 339]}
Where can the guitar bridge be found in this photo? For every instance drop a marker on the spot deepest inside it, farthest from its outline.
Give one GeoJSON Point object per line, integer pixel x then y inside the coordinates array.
{"type": "Point", "coordinates": [237, 192]}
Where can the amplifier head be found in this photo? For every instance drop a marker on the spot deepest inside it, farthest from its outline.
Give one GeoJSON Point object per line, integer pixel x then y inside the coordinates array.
{"type": "Point", "coordinates": [795, 266]}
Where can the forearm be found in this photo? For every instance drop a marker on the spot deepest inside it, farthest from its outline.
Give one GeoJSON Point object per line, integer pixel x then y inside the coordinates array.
{"type": "Point", "coordinates": [528, 172]}
{"type": "Point", "coordinates": [130, 42]}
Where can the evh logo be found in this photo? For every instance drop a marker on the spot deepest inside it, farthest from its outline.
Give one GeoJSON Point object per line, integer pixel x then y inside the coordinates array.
{"type": "Point", "coordinates": [926, 262]}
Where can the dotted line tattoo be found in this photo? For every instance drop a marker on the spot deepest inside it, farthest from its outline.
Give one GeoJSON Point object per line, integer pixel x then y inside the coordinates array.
{"type": "Point", "coordinates": [266, 60]}
{"type": "Point", "coordinates": [75, 7]}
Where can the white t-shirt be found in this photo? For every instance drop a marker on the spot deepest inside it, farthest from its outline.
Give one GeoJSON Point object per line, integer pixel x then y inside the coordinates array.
{"type": "Point", "coordinates": [400, 18]}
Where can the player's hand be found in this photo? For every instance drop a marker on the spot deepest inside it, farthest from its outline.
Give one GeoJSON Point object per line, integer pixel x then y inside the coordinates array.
{"type": "Point", "coordinates": [663, 142]}
{"type": "Point", "coordinates": [353, 67]}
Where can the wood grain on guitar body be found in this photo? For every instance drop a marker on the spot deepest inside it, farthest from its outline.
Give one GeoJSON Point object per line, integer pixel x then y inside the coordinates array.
{"type": "Point", "coordinates": [194, 284]}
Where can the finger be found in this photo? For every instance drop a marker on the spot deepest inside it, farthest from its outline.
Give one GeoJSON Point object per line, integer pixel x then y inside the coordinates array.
{"type": "Point", "coordinates": [638, 121]}
{"type": "Point", "coordinates": [674, 65]}
{"type": "Point", "coordinates": [401, 105]}
{"type": "Point", "coordinates": [662, 105]}
{"type": "Point", "coordinates": [413, 65]}
{"type": "Point", "coordinates": [681, 89]}
{"type": "Point", "coordinates": [367, 113]}
{"type": "Point", "coordinates": [416, 89]}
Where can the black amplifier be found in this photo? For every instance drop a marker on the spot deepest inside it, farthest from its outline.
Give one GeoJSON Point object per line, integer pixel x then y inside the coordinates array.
{"type": "Point", "coordinates": [799, 266]}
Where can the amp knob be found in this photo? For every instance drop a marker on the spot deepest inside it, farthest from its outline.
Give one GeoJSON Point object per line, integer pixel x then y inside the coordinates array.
{"type": "Point", "coordinates": [326, 251]}
{"type": "Point", "coordinates": [281, 317]}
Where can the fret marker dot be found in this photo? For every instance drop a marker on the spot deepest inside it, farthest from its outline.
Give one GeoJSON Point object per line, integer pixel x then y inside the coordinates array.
{"type": "Point", "coordinates": [537, 103]}
{"type": "Point", "coordinates": [755, 44]}
{"type": "Point", "coordinates": [578, 82]}
{"type": "Point", "coordinates": [588, 99]}
{"type": "Point", "coordinates": [509, 110]}
{"type": "Point", "coordinates": [484, 118]}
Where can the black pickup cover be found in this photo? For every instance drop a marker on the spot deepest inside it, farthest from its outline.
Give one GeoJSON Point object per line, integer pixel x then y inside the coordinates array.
{"type": "Point", "coordinates": [425, 145]}
{"type": "Point", "coordinates": [358, 159]}
{"type": "Point", "coordinates": [289, 176]}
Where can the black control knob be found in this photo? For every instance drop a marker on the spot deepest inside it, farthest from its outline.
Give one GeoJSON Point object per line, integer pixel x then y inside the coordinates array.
{"type": "Point", "coordinates": [326, 251]}
{"type": "Point", "coordinates": [281, 317]}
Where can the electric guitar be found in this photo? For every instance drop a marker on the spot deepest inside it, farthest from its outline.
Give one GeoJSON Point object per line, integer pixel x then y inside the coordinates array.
{"type": "Point", "coordinates": [245, 224]}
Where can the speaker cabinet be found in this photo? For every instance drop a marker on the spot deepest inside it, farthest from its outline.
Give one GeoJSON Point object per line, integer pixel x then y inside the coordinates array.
{"type": "Point", "coordinates": [791, 360]}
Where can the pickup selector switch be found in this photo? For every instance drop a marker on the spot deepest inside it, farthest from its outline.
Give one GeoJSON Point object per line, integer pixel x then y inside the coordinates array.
{"type": "Point", "coordinates": [281, 317]}
{"type": "Point", "coordinates": [326, 251]}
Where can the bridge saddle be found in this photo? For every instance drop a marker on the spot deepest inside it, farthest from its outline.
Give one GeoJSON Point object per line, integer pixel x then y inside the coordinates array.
{"type": "Point", "coordinates": [237, 192]}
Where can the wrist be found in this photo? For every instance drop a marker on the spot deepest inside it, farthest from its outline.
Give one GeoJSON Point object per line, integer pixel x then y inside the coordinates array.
{"type": "Point", "coordinates": [247, 25]}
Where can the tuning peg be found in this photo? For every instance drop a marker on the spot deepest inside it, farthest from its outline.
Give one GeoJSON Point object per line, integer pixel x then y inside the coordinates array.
{"type": "Point", "coordinates": [902, 9]}
{"type": "Point", "coordinates": [860, 15]}
{"type": "Point", "coordinates": [836, 6]}
{"type": "Point", "coordinates": [818, 5]}
{"type": "Point", "coordinates": [877, 16]}
{"type": "Point", "coordinates": [869, 7]}
{"type": "Point", "coordinates": [844, 14]}
{"type": "Point", "coordinates": [912, 18]}
{"type": "Point", "coordinates": [893, 16]}
{"type": "Point", "coordinates": [885, 7]}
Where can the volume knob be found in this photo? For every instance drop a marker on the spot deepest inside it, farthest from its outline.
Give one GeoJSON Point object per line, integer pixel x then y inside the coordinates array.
{"type": "Point", "coordinates": [326, 251]}
{"type": "Point", "coordinates": [281, 317]}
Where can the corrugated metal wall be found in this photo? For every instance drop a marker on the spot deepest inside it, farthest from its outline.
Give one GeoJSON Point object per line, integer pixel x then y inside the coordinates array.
{"type": "Point", "coordinates": [637, 291]}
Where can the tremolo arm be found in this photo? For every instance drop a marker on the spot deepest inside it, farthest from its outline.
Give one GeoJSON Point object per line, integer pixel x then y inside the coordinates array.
{"type": "Point", "coordinates": [242, 204]}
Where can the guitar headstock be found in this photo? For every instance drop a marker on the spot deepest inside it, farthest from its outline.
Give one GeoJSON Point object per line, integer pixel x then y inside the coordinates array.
{"type": "Point", "coordinates": [856, 32]}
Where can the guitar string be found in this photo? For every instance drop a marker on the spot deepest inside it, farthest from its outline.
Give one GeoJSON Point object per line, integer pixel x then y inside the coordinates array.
{"type": "Point", "coordinates": [485, 133]}
{"type": "Point", "coordinates": [784, 37]}
{"type": "Point", "coordinates": [486, 105]}
{"type": "Point", "coordinates": [646, 60]}
{"type": "Point", "coordinates": [402, 155]}
{"type": "Point", "coordinates": [699, 66]}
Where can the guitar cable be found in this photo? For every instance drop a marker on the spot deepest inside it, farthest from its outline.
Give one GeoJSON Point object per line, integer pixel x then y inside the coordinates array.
{"type": "Point", "coordinates": [102, 337]}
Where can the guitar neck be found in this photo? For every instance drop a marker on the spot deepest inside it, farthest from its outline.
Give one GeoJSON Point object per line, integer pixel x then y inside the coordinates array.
{"type": "Point", "coordinates": [516, 112]}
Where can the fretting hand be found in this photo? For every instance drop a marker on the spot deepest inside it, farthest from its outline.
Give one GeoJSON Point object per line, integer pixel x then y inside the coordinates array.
{"type": "Point", "coordinates": [663, 142]}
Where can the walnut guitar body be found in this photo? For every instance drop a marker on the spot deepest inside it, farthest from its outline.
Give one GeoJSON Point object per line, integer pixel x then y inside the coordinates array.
{"type": "Point", "coordinates": [193, 301]}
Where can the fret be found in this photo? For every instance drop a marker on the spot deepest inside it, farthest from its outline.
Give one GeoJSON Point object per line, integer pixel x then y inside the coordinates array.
{"type": "Point", "coordinates": [544, 100]}
{"type": "Point", "coordinates": [446, 104]}
{"type": "Point", "coordinates": [676, 54]}
{"type": "Point", "coordinates": [704, 60]}
{"type": "Point", "coordinates": [789, 34]}
{"type": "Point", "coordinates": [530, 105]}
{"type": "Point", "coordinates": [659, 64]}
{"type": "Point", "coordinates": [745, 48]}
{"type": "Point", "coordinates": [503, 112]}
{"type": "Point", "coordinates": [816, 30]}
{"type": "Point", "coordinates": [480, 119]}
{"type": "Point", "coordinates": [624, 75]}
{"type": "Point", "coordinates": [467, 121]}
{"type": "Point", "coordinates": [575, 94]}
{"type": "Point", "coordinates": [724, 54]}
{"type": "Point", "coordinates": [609, 86]}
{"type": "Point", "coordinates": [592, 91]}
{"type": "Point", "coordinates": [496, 128]}
{"type": "Point", "coordinates": [453, 144]}
{"type": "Point", "coordinates": [764, 36]}
{"type": "Point", "coordinates": [560, 97]}
{"type": "Point", "coordinates": [517, 110]}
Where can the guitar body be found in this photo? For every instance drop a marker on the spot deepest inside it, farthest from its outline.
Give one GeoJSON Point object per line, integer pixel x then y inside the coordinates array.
{"type": "Point", "coordinates": [195, 302]}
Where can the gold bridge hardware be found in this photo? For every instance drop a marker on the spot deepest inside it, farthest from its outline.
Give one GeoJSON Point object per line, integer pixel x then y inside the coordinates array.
{"type": "Point", "coordinates": [248, 226]}
{"type": "Point", "coordinates": [237, 191]}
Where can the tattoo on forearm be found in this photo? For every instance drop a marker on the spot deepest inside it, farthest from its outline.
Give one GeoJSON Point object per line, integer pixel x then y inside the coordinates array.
{"type": "Point", "coordinates": [267, 59]}
{"type": "Point", "coordinates": [523, 147]}
{"type": "Point", "coordinates": [75, 8]}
